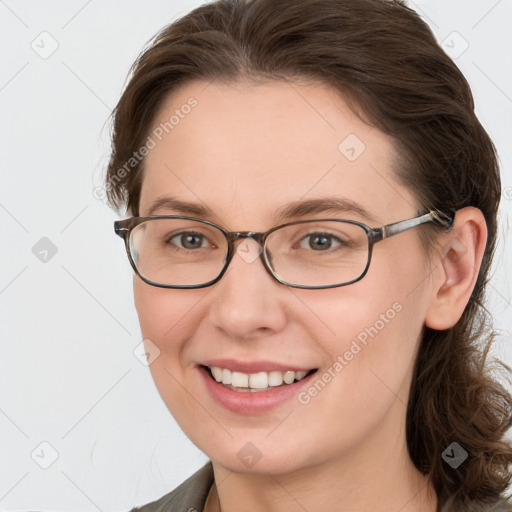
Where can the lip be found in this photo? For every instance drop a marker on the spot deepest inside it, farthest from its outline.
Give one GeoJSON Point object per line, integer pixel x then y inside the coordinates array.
{"type": "Point", "coordinates": [249, 403]}
{"type": "Point", "coordinates": [253, 366]}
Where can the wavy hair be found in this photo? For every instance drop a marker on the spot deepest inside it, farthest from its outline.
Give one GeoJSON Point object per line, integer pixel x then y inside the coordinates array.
{"type": "Point", "coordinates": [384, 60]}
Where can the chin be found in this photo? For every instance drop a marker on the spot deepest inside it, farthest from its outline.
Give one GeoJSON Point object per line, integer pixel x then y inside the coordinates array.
{"type": "Point", "coordinates": [256, 463]}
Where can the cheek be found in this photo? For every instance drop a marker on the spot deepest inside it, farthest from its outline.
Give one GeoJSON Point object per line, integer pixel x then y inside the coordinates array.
{"type": "Point", "coordinates": [375, 325]}
{"type": "Point", "coordinates": [372, 357]}
{"type": "Point", "coordinates": [377, 335]}
{"type": "Point", "coordinates": [167, 317]}
{"type": "Point", "coordinates": [167, 320]}
{"type": "Point", "coordinates": [159, 309]}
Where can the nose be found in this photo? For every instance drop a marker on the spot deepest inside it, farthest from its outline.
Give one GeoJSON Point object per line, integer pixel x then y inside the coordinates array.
{"type": "Point", "coordinates": [247, 302]}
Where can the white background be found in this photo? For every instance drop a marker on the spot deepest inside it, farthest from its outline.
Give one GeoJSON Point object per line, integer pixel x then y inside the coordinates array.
{"type": "Point", "coordinates": [68, 375]}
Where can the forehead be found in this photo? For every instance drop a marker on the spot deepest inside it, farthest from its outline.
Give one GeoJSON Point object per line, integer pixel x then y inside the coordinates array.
{"type": "Point", "coordinates": [244, 150]}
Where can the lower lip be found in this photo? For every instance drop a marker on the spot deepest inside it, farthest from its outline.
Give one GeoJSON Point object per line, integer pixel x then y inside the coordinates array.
{"type": "Point", "coordinates": [250, 403]}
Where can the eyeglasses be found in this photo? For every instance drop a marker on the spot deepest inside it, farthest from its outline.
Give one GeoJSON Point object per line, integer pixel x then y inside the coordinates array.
{"type": "Point", "coordinates": [175, 251]}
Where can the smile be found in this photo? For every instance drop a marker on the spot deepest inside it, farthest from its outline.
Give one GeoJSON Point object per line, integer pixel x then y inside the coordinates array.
{"type": "Point", "coordinates": [253, 382]}
{"type": "Point", "coordinates": [253, 387]}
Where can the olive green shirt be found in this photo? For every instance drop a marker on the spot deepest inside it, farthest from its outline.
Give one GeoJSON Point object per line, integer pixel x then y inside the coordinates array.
{"type": "Point", "coordinates": [191, 496]}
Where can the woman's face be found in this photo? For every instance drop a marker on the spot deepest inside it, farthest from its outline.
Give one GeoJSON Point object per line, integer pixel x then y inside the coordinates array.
{"type": "Point", "coordinates": [244, 153]}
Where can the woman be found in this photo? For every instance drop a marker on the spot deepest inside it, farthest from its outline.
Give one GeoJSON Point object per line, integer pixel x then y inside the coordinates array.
{"type": "Point", "coordinates": [265, 152]}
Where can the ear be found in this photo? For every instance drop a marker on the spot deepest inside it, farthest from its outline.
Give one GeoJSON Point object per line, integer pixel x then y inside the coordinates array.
{"type": "Point", "coordinates": [456, 267]}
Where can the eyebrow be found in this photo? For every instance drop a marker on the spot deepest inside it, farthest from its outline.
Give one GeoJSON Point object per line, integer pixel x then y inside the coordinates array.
{"type": "Point", "coordinates": [182, 207]}
{"type": "Point", "coordinates": [285, 213]}
{"type": "Point", "coordinates": [323, 205]}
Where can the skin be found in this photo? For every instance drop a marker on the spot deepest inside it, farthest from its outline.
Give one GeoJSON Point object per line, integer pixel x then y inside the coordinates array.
{"type": "Point", "coordinates": [245, 151]}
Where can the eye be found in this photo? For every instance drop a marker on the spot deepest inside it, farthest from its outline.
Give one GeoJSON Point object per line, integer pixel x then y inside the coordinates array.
{"type": "Point", "coordinates": [320, 241]}
{"type": "Point", "coordinates": [189, 240]}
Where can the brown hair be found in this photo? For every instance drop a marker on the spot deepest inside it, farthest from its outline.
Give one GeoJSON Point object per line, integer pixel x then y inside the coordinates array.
{"type": "Point", "coordinates": [385, 61]}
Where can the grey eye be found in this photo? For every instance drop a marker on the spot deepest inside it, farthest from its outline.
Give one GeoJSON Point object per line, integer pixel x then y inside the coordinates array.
{"type": "Point", "coordinates": [319, 241]}
{"type": "Point", "coordinates": [189, 240]}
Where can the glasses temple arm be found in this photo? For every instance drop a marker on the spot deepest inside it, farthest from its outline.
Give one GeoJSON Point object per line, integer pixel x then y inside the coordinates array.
{"type": "Point", "coordinates": [441, 219]}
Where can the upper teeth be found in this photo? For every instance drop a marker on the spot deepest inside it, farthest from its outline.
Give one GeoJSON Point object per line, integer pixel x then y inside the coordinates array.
{"type": "Point", "coordinates": [260, 380]}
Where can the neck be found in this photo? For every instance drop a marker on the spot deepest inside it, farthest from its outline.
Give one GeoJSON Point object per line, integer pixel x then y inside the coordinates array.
{"type": "Point", "coordinates": [377, 476]}
{"type": "Point", "coordinates": [406, 490]}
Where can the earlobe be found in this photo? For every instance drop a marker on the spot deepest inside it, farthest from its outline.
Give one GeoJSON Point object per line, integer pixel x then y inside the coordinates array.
{"type": "Point", "coordinates": [457, 263]}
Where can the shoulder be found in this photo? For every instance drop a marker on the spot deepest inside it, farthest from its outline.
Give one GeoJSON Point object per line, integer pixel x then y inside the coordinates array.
{"type": "Point", "coordinates": [504, 505]}
{"type": "Point", "coordinates": [188, 496]}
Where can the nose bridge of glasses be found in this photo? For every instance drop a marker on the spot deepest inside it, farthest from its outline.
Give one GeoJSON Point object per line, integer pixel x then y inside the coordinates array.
{"type": "Point", "coordinates": [254, 235]}
{"type": "Point", "coordinates": [247, 255]}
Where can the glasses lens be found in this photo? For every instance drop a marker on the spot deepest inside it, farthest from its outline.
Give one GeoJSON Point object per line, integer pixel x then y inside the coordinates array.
{"type": "Point", "coordinates": [178, 252]}
{"type": "Point", "coordinates": [318, 253]}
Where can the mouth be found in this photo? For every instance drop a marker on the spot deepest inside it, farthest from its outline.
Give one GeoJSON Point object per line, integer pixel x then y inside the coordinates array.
{"type": "Point", "coordinates": [256, 382]}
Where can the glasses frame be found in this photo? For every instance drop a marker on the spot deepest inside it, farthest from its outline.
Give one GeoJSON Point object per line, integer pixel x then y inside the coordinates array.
{"type": "Point", "coordinates": [123, 228]}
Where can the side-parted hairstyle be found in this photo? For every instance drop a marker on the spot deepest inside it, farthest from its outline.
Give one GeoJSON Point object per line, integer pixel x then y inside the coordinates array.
{"type": "Point", "coordinates": [385, 62]}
